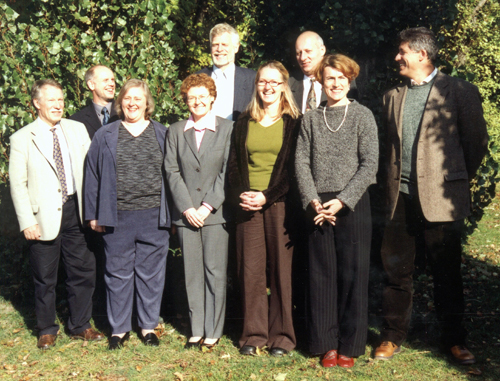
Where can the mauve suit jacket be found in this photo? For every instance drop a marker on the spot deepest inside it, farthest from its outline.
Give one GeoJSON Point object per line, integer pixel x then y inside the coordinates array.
{"type": "Point", "coordinates": [451, 145]}
{"type": "Point", "coordinates": [34, 184]}
{"type": "Point", "coordinates": [243, 88]}
{"type": "Point", "coordinates": [100, 176]}
{"type": "Point", "coordinates": [195, 177]}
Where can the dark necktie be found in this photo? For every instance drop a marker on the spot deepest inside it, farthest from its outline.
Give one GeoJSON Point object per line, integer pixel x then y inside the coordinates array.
{"type": "Point", "coordinates": [105, 119]}
{"type": "Point", "coordinates": [56, 153]}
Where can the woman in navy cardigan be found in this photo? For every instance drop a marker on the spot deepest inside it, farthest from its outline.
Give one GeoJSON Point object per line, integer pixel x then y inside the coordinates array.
{"type": "Point", "coordinates": [125, 199]}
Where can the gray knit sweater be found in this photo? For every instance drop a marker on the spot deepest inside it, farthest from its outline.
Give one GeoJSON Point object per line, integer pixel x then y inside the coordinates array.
{"type": "Point", "coordinates": [345, 161]}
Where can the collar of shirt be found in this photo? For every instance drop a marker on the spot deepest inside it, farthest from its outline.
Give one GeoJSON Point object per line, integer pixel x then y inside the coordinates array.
{"type": "Point", "coordinates": [429, 78]}
{"type": "Point", "coordinates": [228, 73]}
{"type": "Point", "coordinates": [207, 122]}
{"type": "Point", "coordinates": [43, 124]}
{"type": "Point", "coordinates": [98, 108]}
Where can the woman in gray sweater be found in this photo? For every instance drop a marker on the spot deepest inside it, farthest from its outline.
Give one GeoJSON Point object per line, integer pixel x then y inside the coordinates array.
{"type": "Point", "coordinates": [336, 160]}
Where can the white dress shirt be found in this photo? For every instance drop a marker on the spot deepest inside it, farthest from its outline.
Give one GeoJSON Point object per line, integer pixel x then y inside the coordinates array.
{"type": "Point", "coordinates": [68, 171]}
{"type": "Point", "coordinates": [224, 82]}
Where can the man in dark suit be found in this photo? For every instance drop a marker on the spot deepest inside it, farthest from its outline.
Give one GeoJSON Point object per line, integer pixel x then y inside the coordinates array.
{"type": "Point", "coordinates": [235, 84]}
{"type": "Point", "coordinates": [436, 139]}
{"type": "Point", "coordinates": [307, 92]}
{"type": "Point", "coordinates": [100, 111]}
{"type": "Point", "coordinates": [46, 176]}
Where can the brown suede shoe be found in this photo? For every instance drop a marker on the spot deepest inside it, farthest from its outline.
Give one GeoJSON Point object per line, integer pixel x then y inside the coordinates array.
{"type": "Point", "coordinates": [90, 334]}
{"type": "Point", "coordinates": [386, 350]}
{"type": "Point", "coordinates": [46, 341]}
{"type": "Point", "coordinates": [462, 355]}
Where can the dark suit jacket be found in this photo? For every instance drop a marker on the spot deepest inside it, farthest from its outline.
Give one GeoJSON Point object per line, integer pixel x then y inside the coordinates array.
{"type": "Point", "coordinates": [297, 86]}
{"type": "Point", "coordinates": [89, 118]}
{"type": "Point", "coordinates": [244, 83]}
{"type": "Point", "coordinates": [195, 177]}
{"type": "Point", "coordinates": [100, 177]}
{"type": "Point", "coordinates": [451, 145]}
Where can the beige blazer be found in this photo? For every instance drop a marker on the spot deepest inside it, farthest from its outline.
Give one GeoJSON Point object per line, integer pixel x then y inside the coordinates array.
{"type": "Point", "coordinates": [451, 145]}
{"type": "Point", "coordinates": [34, 185]}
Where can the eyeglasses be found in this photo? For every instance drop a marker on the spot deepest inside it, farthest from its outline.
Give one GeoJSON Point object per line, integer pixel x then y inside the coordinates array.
{"type": "Point", "coordinates": [201, 98]}
{"type": "Point", "coordinates": [263, 83]}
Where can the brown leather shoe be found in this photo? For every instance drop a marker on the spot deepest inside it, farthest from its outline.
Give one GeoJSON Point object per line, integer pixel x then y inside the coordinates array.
{"type": "Point", "coordinates": [462, 355]}
{"type": "Point", "coordinates": [46, 341]}
{"type": "Point", "coordinates": [386, 350]}
{"type": "Point", "coordinates": [90, 334]}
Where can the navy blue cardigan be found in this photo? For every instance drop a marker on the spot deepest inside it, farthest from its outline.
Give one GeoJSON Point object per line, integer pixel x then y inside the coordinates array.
{"type": "Point", "coordinates": [100, 177]}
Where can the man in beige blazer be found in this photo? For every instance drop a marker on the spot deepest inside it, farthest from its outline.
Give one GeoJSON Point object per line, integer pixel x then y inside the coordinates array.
{"type": "Point", "coordinates": [46, 174]}
{"type": "Point", "coordinates": [435, 141]}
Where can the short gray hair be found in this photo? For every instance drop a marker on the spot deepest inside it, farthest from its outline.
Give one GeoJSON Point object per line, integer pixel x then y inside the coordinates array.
{"type": "Point", "coordinates": [225, 28]}
{"type": "Point", "coordinates": [89, 74]}
{"type": "Point", "coordinates": [38, 85]}
{"type": "Point", "coordinates": [420, 38]}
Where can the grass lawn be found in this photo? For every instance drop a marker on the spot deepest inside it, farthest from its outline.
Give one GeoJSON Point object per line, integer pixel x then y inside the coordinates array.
{"type": "Point", "coordinates": [420, 359]}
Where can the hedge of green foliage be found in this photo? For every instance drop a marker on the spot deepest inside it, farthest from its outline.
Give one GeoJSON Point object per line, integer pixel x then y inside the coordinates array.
{"type": "Point", "coordinates": [163, 41]}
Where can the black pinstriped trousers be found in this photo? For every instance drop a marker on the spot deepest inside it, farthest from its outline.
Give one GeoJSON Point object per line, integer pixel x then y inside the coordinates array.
{"type": "Point", "coordinates": [339, 261]}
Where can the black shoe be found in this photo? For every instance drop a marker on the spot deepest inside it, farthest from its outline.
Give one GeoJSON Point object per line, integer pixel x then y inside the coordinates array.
{"type": "Point", "coordinates": [116, 342]}
{"type": "Point", "coordinates": [151, 339]}
{"type": "Point", "coordinates": [278, 352]}
{"type": "Point", "coordinates": [248, 350]}
{"type": "Point", "coordinates": [193, 344]}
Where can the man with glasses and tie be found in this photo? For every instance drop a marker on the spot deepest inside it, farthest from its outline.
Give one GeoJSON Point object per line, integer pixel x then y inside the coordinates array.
{"type": "Point", "coordinates": [46, 175]}
{"type": "Point", "coordinates": [101, 81]}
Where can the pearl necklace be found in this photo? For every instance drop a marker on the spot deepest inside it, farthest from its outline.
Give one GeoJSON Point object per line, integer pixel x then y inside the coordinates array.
{"type": "Point", "coordinates": [341, 123]}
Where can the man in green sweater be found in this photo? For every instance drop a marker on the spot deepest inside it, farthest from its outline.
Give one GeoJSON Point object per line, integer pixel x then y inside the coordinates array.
{"type": "Point", "coordinates": [435, 141]}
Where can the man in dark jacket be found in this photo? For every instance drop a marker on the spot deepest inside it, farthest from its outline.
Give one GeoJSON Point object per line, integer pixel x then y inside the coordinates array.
{"type": "Point", "coordinates": [100, 111]}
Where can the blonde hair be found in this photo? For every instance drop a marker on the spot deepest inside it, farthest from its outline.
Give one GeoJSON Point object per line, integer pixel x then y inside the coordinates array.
{"type": "Point", "coordinates": [287, 103]}
{"type": "Point", "coordinates": [150, 103]}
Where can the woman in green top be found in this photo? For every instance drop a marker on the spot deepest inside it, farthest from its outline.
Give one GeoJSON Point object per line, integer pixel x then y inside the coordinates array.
{"type": "Point", "coordinates": [259, 171]}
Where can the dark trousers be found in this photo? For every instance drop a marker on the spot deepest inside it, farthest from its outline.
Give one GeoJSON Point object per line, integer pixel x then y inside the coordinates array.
{"type": "Point", "coordinates": [405, 235]}
{"type": "Point", "coordinates": [262, 241]}
{"type": "Point", "coordinates": [136, 258]}
{"type": "Point", "coordinates": [79, 264]}
{"type": "Point", "coordinates": [339, 261]}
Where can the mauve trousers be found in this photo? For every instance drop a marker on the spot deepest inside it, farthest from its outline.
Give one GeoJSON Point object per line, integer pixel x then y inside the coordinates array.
{"type": "Point", "coordinates": [339, 263]}
{"type": "Point", "coordinates": [262, 242]}
{"type": "Point", "coordinates": [136, 258]}
{"type": "Point", "coordinates": [405, 235]}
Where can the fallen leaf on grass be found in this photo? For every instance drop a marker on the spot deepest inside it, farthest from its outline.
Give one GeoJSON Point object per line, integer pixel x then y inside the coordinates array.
{"type": "Point", "coordinates": [138, 368]}
{"type": "Point", "coordinates": [33, 363]}
{"type": "Point", "coordinates": [9, 367]}
{"type": "Point", "coordinates": [253, 377]}
{"type": "Point", "coordinates": [226, 356]}
{"type": "Point", "coordinates": [26, 357]}
{"type": "Point", "coordinates": [179, 376]}
{"type": "Point", "coordinates": [475, 372]}
{"type": "Point", "coordinates": [280, 377]}
{"type": "Point", "coordinates": [17, 330]}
